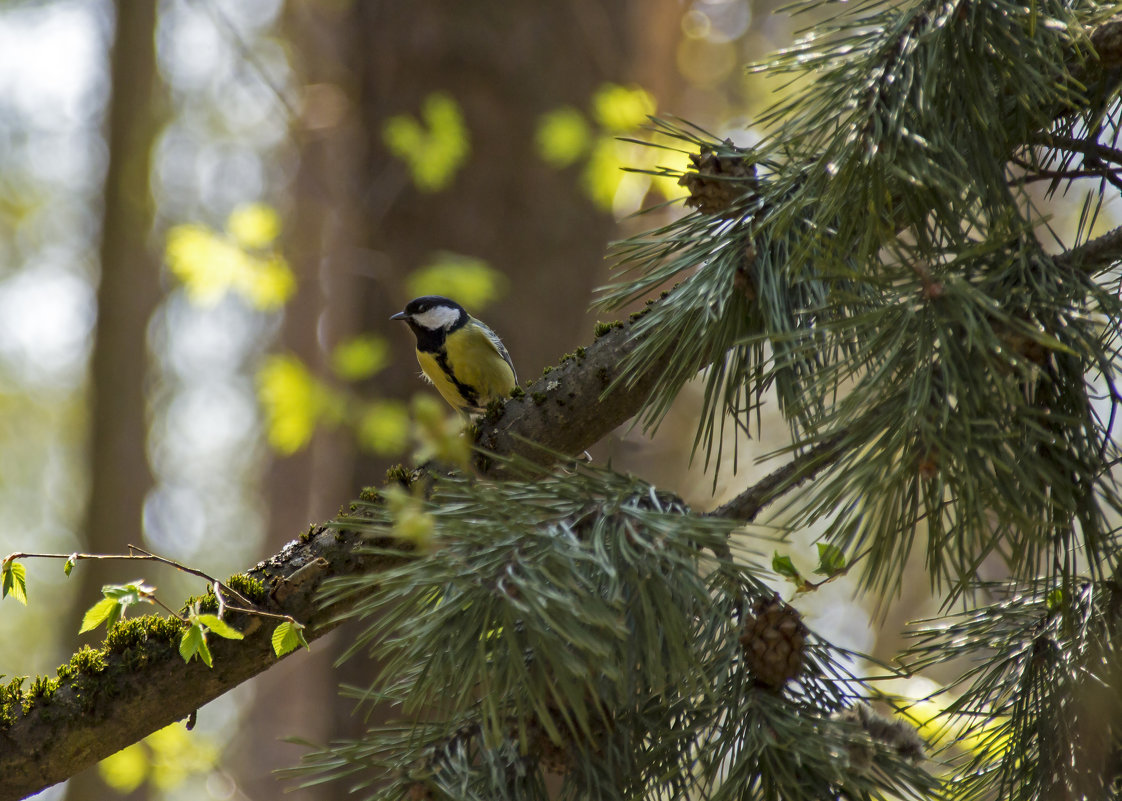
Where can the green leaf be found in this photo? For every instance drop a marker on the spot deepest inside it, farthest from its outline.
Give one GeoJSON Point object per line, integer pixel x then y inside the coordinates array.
{"type": "Point", "coordinates": [194, 644]}
{"type": "Point", "coordinates": [107, 611]}
{"type": "Point", "coordinates": [383, 427]}
{"type": "Point", "coordinates": [69, 564]}
{"type": "Point", "coordinates": [785, 567]}
{"type": "Point", "coordinates": [1055, 599]}
{"type": "Point", "coordinates": [287, 637]}
{"type": "Point", "coordinates": [562, 137]}
{"type": "Point", "coordinates": [220, 627]}
{"type": "Point", "coordinates": [134, 592]}
{"type": "Point", "coordinates": [14, 580]}
{"type": "Point", "coordinates": [360, 357]}
{"type": "Point", "coordinates": [434, 151]}
{"type": "Point", "coordinates": [471, 281]}
{"type": "Point", "coordinates": [118, 598]}
{"type": "Point", "coordinates": [831, 560]}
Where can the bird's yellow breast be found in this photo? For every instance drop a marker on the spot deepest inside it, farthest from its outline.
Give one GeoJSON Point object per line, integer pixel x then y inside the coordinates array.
{"type": "Point", "coordinates": [469, 371]}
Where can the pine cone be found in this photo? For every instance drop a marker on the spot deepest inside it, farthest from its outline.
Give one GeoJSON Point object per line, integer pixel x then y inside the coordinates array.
{"type": "Point", "coordinates": [774, 639]}
{"type": "Point", "coordinates": [552, 757]}
{"type": "Point", "coordinates": [894, 733]}
{"type": "Point", "coordinates": [719, 180]}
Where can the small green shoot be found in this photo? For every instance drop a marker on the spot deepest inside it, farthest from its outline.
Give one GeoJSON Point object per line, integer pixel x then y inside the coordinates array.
{"type": "Point", "coordinates": [13, 576]}
{"type": "Point", "coordinates": [287, 637]}
{"type": "Point", "coordinates": [118, 598]}
{"type": "Point", "coordinates": [194, 644]}
{"type": "Point", "coordinates": [194, 641]}
{"type": "Point", "coordinates": [786, 568]}
{"type": "Point", "coordinates": [831, 560]}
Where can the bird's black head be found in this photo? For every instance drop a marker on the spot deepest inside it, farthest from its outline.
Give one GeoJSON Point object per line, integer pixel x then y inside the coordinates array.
{"type": "Point", "coordinates": [431, 317]}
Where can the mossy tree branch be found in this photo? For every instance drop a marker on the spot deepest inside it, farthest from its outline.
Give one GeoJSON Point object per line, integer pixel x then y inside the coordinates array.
{"type": "Point", "coordinates": [571, 407]}
{"type": "Point", "coordinates": [140, 684]}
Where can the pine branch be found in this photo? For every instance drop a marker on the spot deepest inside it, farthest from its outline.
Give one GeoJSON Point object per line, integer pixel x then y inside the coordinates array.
{"type": "Point", "coordinates": [1094, 254]}
{"type": "Point", "coordinates": [145, 685]}
{"type": "Point", "coordinates": [571, 407]}
{"type": "Point", "coordinates": [802, 468]}
{"type": "Point", "coordinates": [1086, 147]}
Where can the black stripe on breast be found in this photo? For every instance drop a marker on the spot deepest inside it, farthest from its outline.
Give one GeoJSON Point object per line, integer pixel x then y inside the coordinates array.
{"type": "Point", "coordinates": [469, 394]}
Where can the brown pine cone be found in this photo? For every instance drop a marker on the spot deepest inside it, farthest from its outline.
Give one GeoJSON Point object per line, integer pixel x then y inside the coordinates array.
{"type": "Point", "coordinates": [774, 639]}
{"type": "Point", "coordinates": [720, 180]}
{"type": "Point", "coordinates": [551, 756]}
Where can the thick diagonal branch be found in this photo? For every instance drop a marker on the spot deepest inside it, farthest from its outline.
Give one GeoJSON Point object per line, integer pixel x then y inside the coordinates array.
{"type": "Point", "coordinates": [143, 687]}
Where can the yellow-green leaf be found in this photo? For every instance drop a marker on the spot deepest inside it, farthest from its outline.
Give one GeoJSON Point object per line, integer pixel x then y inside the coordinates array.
{"type": "Point", "coordinates": [125, 770]}
{"type": "Point", "coordinates": [470, 281]}
{"type": "Point", "coordinates": [267, 283]}
{"type": "Point", "coordinates": [383, 427]}
{"type": "Point", "coordinates": [194, 644]}
{"type": "Point", "coordinates": [14, 581]}
{"type": "Point", "coordinates": [410, 520]}
{"type": "Point", "coordinates": [603, 172]}
{"type": "Point", "coordinates": [178, 753]}
{"type": "Point", "coordinates": [620, 109]}
{"type": "Point", "coordinates": [435, 151]}
{"type": "Point", "coordinates": [562, 137]}
{"type": "Point", "coordinates": [360, 357]}
{"type": "Point", "coordinates": [287, 637]}
{"type": "Point", "coordinates": [210, 265]}
{"type": "Point", "coordinates": [107, 611]}
{"type": "Point", "coordinates": [293, 402]}
{"type": "Point", "coordinates": [220, 627]}
{"type": "Point", "coordinates": [439, 433]}
{"type": "Point", "coordinates": [254, 225]}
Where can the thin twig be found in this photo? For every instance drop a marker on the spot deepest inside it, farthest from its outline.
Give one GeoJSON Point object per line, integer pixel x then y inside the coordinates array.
{"type": "Point", "coordinates": [1087, 147]}
{"type": "Point", "coordinates": [166, 608]}
{"type": "Point", "coordinates": [192, 571]}
{"type": "Point", "coordinates": [220, 20]}
{"type": "Point", "coordinates": [262, 613]}
{"type": "Point", "coordinates": [803, 467]}
{"type": "Point", "coordinates": [1060, 175]}
{"type": "Point", "coordinates": [140, 555]}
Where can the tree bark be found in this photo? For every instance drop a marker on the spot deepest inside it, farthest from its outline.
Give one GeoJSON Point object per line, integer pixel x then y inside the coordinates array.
{"type": "Point", "coordinates": [323, 233]}
{"type": "Point", "coordinates": [127, 295]}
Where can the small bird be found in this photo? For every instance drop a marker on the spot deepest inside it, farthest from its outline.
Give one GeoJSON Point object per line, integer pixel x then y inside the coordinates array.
{"type": "Point", "coordinates": [463, 358]}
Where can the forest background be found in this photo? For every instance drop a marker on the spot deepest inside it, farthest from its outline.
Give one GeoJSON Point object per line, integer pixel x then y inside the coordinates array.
{"type": "Point", "coordinates": [203, 231]}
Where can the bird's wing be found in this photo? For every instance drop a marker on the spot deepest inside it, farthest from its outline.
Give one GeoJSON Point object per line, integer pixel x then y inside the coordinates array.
{"type": "Point", "coordinates": [498, 343]}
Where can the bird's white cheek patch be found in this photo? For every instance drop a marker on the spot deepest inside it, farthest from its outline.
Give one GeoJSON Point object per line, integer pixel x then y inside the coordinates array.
{"type": "Point", "coordinates": [437, 317]}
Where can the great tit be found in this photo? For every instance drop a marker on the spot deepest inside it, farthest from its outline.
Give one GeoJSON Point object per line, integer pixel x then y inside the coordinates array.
{"type": "Point", "coordinates": [463, 358]}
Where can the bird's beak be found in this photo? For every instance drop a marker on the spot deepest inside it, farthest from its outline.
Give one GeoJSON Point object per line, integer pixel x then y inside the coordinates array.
{"type": "Point", "coordinates": [400, 316]}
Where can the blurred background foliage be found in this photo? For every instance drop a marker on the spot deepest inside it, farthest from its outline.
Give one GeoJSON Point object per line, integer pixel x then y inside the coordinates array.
{"type": "Point", "coordinates": [204, 229]}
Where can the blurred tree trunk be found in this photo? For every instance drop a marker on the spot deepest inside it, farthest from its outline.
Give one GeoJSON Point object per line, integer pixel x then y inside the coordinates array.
{"type": "Point", "coordinates": [505, 64]}
{"type": "Point", "coordinates": [127, 295]}
{"type": "Point", "coordinates": [323, 236]}
{"type": "Point", "coordinates": [359, 227]}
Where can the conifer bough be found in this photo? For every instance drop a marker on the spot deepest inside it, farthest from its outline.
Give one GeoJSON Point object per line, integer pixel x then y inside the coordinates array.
{"type": "Point", "coordinates": [102, 706]}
